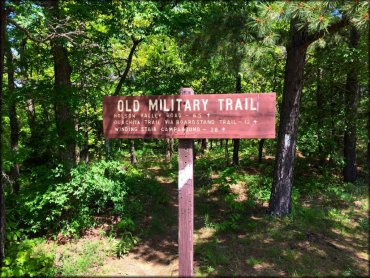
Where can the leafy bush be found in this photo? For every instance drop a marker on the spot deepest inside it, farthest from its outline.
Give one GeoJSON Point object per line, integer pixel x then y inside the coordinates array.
{"type": "Point", "coordinates": [25, 259]}
{"type": "Point", "coordinates": [127, 242]}
{"type": "Point", "coordinates": [102, 188]}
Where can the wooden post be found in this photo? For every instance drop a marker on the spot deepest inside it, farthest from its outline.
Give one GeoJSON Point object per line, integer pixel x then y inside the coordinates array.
{"type": "Point", "coordinates": [186, 202]}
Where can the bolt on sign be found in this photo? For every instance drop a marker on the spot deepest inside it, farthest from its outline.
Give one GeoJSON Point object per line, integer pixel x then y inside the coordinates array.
{"type": "Point", "coordinates": [190, 116]}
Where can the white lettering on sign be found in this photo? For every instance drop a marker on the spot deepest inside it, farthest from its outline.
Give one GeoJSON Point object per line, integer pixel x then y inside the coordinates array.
{"type": "Point", "coordinates": [125, 106]}
{"type": "Point", "coordinates": [170, 105]}
{"type": "Point", "coordinates": [229, 105]}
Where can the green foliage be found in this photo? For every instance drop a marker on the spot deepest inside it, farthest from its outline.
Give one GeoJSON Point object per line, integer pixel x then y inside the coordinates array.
{"type": "Point", "coordinates": [125, 244]}
{"type": "Point", "coordinates": [105, 187]}
{"type": "Point", "coordinates": [24, 259]}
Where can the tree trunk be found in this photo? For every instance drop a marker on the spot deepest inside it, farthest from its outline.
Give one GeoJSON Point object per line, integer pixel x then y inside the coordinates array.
{"type": "Point", "coordinates": [77, 145]}
{"type": "Point", "coordinates": [86, 134]}
{"type": "Point", "coordinates": [260, 150]}
{"type": "Point", "coordinates": [236, 142]}
{"type": "Point", "coordinates": [169, 148]}
{"type": "Point", "coordinates": [280, 199]}
{"type": "Point", "coordinates": [132, 152]}
{"type": "Point", "coordinates": [351, 101]}
{"type": "Point", "coordinates": [14, 128]}
{"type": "Point", "coordinates": [2, 197]}
{"type": "Point", "coordinates": [135, 43]}
{"type": "Point", "coordinates": [300, 39]}
{"type": "Point", "coordinates": [236, 145]}
{"type": "Point", "coordinates": [261, 142]}
{"type": "Point", "coordinates": [227, 151]}
{"type": "Point", "coordinates": [30, 107]}
{"type": "Point", "coordinates": [320, 116]}
{"type": "Point", "coordinates": [204, 145]}
{"type": "Point", "coordinates": [107, 148]}
{"type": "Point", "coordinates": [63, 112]}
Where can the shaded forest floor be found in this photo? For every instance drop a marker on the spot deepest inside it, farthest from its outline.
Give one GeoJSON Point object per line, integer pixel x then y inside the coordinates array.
{"type": "Point", "coordinates": [326, 234]}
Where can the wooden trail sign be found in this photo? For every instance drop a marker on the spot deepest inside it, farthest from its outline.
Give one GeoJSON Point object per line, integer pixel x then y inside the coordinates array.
{"type": "Point", "coordinates": [188, 116]}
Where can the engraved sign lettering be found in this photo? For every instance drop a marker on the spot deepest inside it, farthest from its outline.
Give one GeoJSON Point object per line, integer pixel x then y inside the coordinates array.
{"type": "Point", "coordinates": [190, 116]}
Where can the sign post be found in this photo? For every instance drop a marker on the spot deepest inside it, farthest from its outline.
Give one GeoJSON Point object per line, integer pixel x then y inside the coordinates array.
{"type": "Point", "coordinates": [186, 201]}
{"type": "Point", "coordinates": [186, 117]}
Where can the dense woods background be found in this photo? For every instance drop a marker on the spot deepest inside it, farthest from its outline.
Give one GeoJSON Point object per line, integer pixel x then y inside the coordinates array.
{"type": "Point", "coordinates": [60, 178]}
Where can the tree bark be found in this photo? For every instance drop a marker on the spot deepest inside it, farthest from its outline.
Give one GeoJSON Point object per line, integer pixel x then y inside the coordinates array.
{"type": "Point", "coordinates": [30, 107]}
{"type": "Point", "coordinates": [132, 152]}
{"type": "Point", "coordinates": [63, 112]}
{"type": "Point", "coordinates": [227, 151]}
{"type": "Point", "coordinates": [236, 146]}
{"type": "Point", "coordinates": [86, 135]}
{"type": "Point", "coordinates": [135, 43]}
{"type": "Point", "coordinates": [300, 39]}
{"type": "Point", "coordinates": [169, 148]}
{"type": "Point", "coordinates": [320, 116]}
{"type": "Point", "coordinates": [14, 127]}
{"type": "Point", "coordinates": [261, 142]}
{"type": "Point", "coordinates": [236, 142]}
{"type": "Point", "coordinates": [204, 145]}
{"type": "Point", "coordinates": [280, 199]}
{"type": "Point", "coordinates": [2, 197]}
{"type": "Point", "coordinates": [351, 103]}
{"type": "Point", "coordinates": [77, 145]}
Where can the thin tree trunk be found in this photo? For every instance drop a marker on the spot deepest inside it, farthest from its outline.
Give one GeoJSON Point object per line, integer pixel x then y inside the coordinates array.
{"type": "Point", "coordinates": [351, 103]}
{"type": "Point", "coordinates": [86, 134]}
{"type": "Point", "coordinates": [135, 43]}
{"type": "Point", "coordinates": [320, 116]}
{"type": "Point", "coordinates": [30, 107]}
{"type": "Point", "coordinates": [31, 116]}
{"type": "Point", "coordinates": [227, 151]}
{"type": "Point", "coordinates": [107, 148]}
{"type": "Point", "coordinates": [261, 142]}
{"type": "Point", "coordinates": [333, 112]}
{"type": "Point", "coordinates": [132, 152]}
{"type": "Point", "coordinates": [169, 148]}
{"type": "Point", "coordinates": [204, 145]}
{"type": "Point", "coordinates": [14, 128]}
{"type": "Point", "coordinates": [2, 196]}
{"type": "Point", "coordinates": [280, 199]}
{"type": "Point", "coordinates": [77, 146]}
{"type": "Point", "coordinates": [236, 146]}
{"type": "Point", "coordinates": [123, 77]}
{"type": "Point", "coordinates": [260, 150]}
{"type": "Point", "coordinates": [236, 142]}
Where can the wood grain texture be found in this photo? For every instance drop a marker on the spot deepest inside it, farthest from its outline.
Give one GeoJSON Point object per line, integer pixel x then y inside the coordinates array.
{"type": "Point", "coordinates": [186, 203]}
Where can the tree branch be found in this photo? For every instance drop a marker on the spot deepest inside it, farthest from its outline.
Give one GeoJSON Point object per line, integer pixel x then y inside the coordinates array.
{"type": "Point", "coordinates": [135, 43]}
{"type": "Point", "coordinates": [27, 32]}
{"type": "Point", "coordinates": [54, 35]}
{"type": "Point", "coordinates": [334, 27]}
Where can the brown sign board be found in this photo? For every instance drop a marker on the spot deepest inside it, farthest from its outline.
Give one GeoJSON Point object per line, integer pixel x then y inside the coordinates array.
{"type": "Point", "coordinates": [190, 116]}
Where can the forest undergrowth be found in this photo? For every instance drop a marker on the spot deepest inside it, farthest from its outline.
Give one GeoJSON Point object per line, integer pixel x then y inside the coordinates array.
{"type": "Point", "coordinates": [111, 209]}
